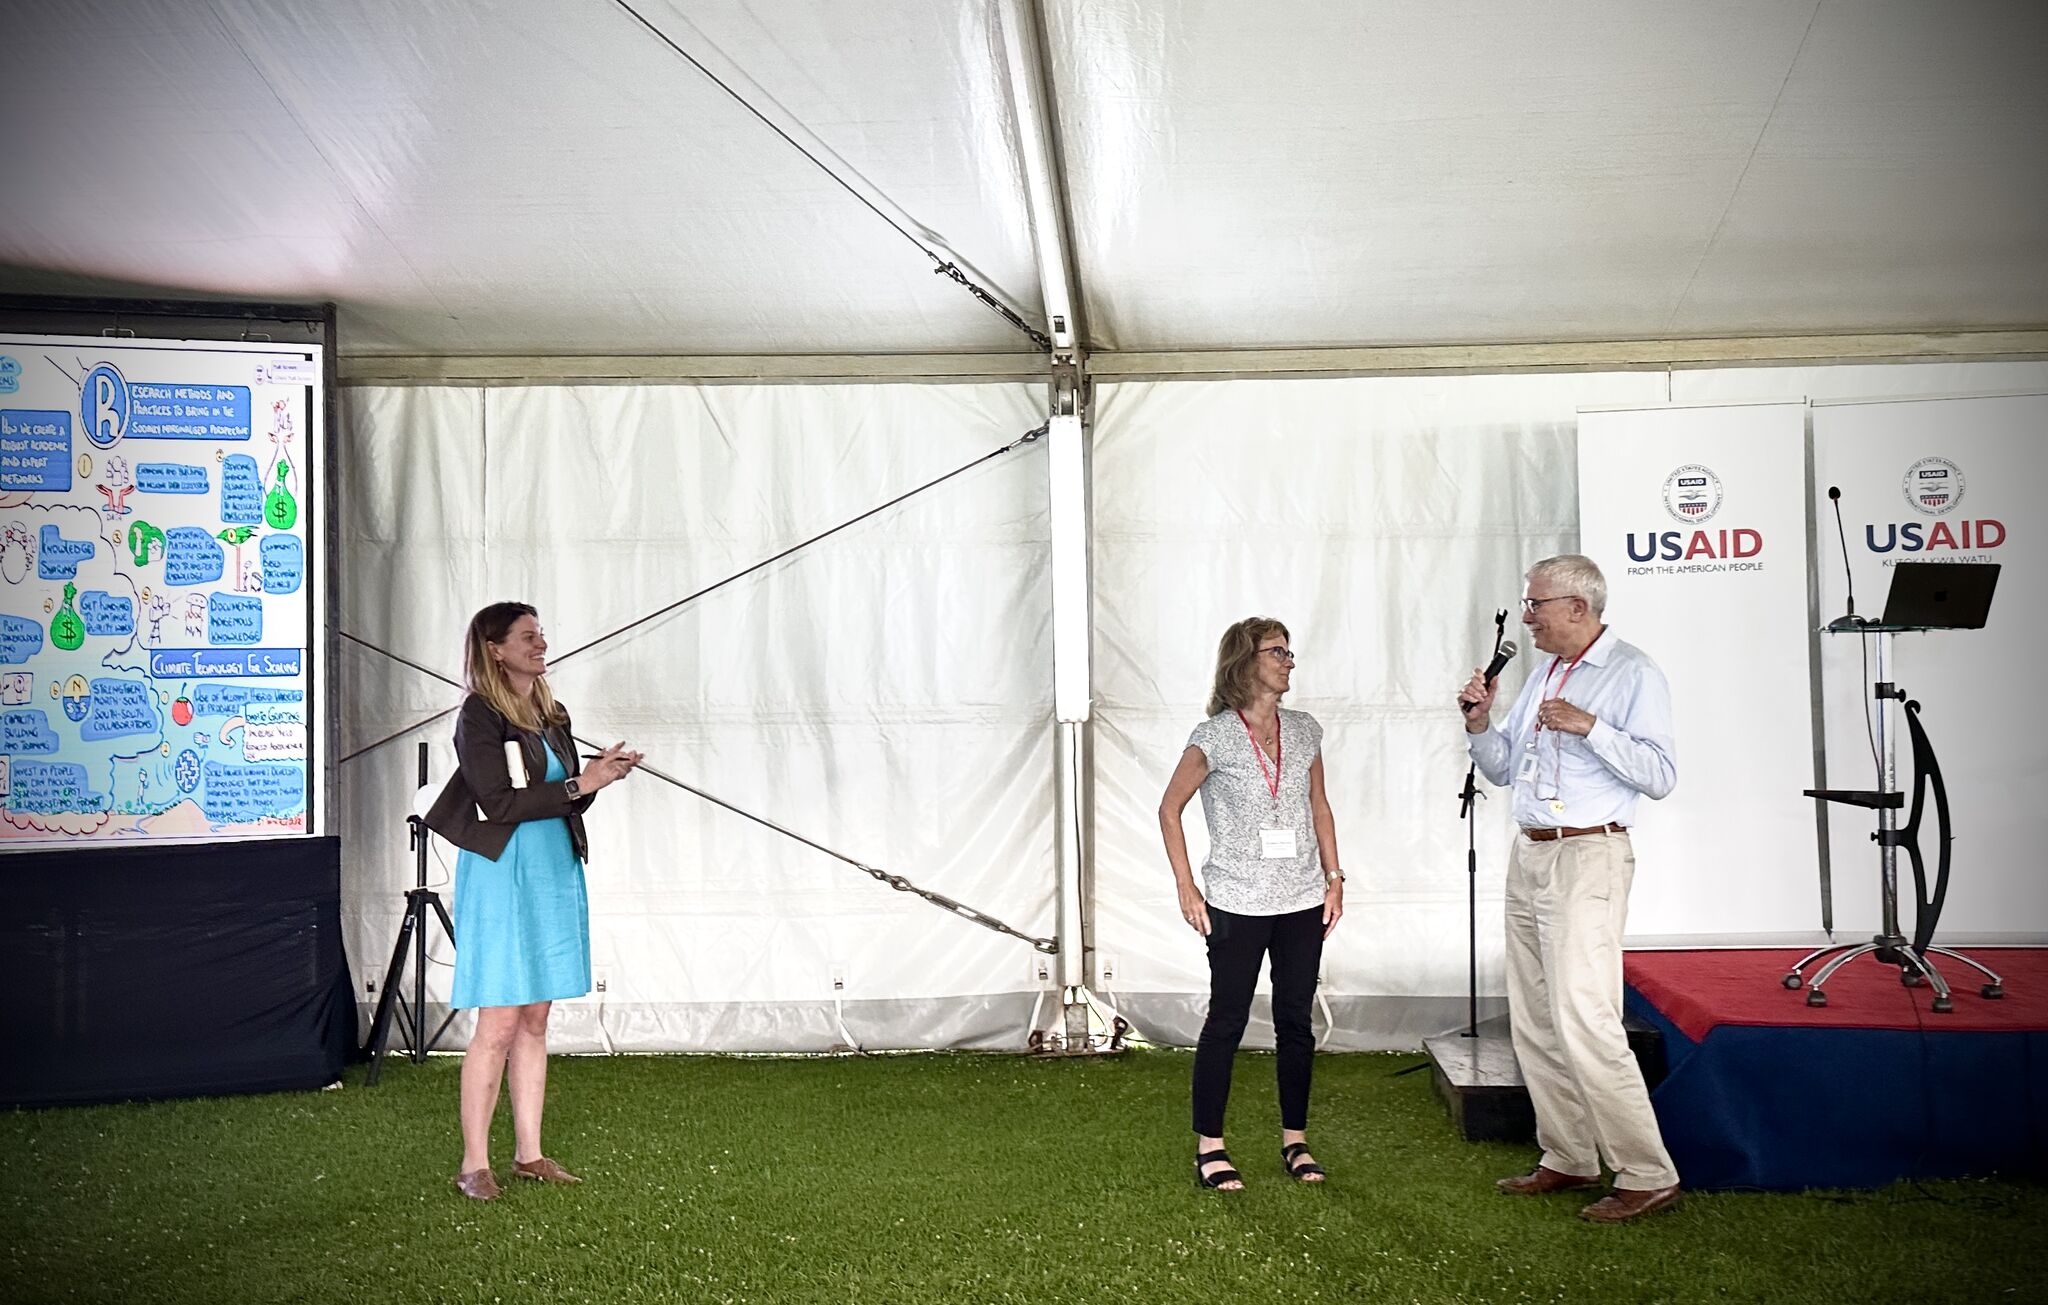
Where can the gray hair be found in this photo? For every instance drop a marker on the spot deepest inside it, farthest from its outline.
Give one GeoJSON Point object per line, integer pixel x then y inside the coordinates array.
{"type": "Point", "coordinates": [1576, 574]}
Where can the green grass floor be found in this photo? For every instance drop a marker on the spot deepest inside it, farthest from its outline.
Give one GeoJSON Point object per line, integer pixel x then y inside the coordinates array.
{"type": "Point", "coordinates": [916, 1179]}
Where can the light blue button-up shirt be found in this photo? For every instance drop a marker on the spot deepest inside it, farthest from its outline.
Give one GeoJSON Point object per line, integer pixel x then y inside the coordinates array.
{"type": "Point", "coordinates": [1629, 751]}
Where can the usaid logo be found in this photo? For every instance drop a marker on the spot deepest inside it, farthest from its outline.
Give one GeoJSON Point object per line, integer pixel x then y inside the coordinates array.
{"type": "Point", "coordinates": [1692, 493]}
{"type": "Point", "coordinates": [1934, 485]}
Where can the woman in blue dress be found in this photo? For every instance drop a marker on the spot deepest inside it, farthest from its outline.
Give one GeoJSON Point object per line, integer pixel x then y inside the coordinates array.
{"type": "Point", "coordinates": [522, 921]}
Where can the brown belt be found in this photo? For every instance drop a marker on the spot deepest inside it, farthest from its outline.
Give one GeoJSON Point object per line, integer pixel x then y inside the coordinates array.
{"type": "Point", "coordinates": [1569, 831]}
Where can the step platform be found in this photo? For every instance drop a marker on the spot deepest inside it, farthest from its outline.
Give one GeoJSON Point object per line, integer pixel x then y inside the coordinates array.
{"type": "Point", "coordinates": [1481, 1085]}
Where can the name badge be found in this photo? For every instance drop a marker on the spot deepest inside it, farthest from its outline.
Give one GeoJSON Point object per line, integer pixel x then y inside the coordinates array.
{"type": "Point", "coordinates": [1276, 844]}
{"type": "Point", "coordinates": [1527, 770]}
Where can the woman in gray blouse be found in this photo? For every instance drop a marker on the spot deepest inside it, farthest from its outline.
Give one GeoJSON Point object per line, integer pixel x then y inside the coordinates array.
{"type": "Point", "coordinates": [1274, 886]}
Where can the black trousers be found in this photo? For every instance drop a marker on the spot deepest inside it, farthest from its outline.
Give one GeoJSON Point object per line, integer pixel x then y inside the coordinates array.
{"type": "Point", "coordinates": [1237, 944]}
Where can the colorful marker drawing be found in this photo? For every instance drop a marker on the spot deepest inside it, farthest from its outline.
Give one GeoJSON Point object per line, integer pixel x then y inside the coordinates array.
{"type": "Point", "coordinates": [17, 552]}
{"type": "Point", "coordinates": [234, 537]}
{"type": "Point", "coordinates": [137, 643]}
{"type": "Point", "coordinates": [66, 630]}
{"type": "Point", "coordinates": [157, 607]}
{"type": "Point", "coordinates": [144, 542]}
{"type": "Point", "coordinates": [119, 485]}
{"type": "Point", "coordinates": [77, 698]}
{"type": "Point", "coordinates": [280, 509]}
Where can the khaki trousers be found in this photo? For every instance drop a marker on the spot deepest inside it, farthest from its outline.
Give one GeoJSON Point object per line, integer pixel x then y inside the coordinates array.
{"type": "Point", "coordinates": [1567, 900]}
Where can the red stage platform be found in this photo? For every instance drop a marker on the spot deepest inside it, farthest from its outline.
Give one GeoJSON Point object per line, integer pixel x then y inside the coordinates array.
{"type": "Point", "coordinates": [1701, 991]}
{"type": "Point", "coordinates": [1764, 1091]}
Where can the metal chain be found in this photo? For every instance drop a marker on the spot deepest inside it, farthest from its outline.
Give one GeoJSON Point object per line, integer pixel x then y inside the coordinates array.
{"type": "Point", "coordinates": [1038, 337]}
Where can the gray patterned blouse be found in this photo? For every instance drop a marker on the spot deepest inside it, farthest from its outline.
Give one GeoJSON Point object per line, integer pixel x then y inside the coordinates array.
{"type": "Point", "coordinates": [1237, 804]}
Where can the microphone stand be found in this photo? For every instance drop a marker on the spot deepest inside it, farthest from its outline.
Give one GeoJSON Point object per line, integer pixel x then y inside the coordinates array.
{"type": "Point", "coordinates": [1468, 800]}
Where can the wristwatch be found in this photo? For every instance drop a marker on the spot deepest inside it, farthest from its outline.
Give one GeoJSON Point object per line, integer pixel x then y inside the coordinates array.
{"type": "Point", "coordinates": [572, 788]}
{"type": "Point", "coordinates": [1337, 878]}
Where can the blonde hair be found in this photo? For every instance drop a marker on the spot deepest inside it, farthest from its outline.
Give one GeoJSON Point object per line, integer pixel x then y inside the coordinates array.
{"type": "Point", "coordinates": [486, 679]}
{"type": "Point", "coordinates": [1237, 655]}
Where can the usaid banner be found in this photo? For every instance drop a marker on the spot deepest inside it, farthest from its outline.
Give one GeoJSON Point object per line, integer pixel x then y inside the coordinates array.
{"type": "Point", "coordinates": [1942, 480]}
{"type": "Point", "coordinates": [1698, 518]}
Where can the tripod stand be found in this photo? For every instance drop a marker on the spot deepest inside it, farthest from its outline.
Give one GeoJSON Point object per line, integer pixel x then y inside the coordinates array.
{"type": "Point", "coordinates": [411, 1013]}
{"type": "Point", "coordinates": [1469, 798]}
{"type": "Point", "coordinates": [1889, 946]}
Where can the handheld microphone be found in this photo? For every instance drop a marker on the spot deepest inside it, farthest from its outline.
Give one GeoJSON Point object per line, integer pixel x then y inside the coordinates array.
{"type": "Point", "coordinates": [1501, 657]}
{"type": "Point", "coordinates": [1848, 619]}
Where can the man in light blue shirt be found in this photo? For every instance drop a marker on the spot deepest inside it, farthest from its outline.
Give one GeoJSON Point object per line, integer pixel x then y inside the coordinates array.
{"type": "Point", "coordinates": [1589, 734]}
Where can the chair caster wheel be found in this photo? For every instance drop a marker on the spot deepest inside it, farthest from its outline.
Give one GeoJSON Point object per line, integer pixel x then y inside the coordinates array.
{"type": "Point", "coordinates": [1943, 1006]}
{"type": "Point", "coordinates": [1815, 997]}
{"type": "Point", "coordinates": [1992, 992]}
{"type": "Point", "coordinates": [1910, 979]}
{"type": "Point", "coordinates": [1792, 981]}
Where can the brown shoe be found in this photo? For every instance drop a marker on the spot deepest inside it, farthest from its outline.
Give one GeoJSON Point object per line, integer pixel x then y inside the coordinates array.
{"type": "Point", "coordinates": [1542, 1181]}
{"type": "Point", "coordinates": [478, 1185]}
{"type": "Point", "coordinates": [1626, 1204]}
{"type": "Point", "coordinates": [543, 1170]}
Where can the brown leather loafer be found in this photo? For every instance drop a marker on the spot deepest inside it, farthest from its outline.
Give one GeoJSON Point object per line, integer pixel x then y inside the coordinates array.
{"type": "Point", "coordinates": [478, 1185]}
{"type": "Point", "coordinates": [543, 1170]}
{"type": "Point", "coordinates": [1541, 1181]}
{"type": "Point", "coordinates": [1626, 1204]}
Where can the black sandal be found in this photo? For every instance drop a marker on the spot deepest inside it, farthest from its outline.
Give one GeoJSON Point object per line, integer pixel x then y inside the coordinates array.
{"type": "Point", "coordinates": [1215, 1179]}
{"type": "Point", "coordinates": [1299, 1173]}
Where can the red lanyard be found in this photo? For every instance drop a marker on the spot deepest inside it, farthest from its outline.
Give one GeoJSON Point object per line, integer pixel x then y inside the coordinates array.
{"type": "Point", "coordinates": [1569, 668]}
{"type": "Point", "coordinates": [1273, 775]}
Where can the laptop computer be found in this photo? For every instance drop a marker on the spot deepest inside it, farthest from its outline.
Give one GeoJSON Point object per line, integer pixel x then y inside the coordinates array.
{"type": "Point", "coordinates": [1940, 595]}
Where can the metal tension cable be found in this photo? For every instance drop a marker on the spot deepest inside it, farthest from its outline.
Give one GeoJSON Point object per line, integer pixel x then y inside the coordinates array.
{"type": "Point", "coordinates": [943, 267]}
{"type": "Point", "coordinates": [898, 882]}
{"type": "Point", "coordinates": [1027, 437]}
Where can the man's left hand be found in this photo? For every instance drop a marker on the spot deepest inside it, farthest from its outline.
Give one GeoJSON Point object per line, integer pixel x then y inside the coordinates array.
{"type": "Point", "coordinates": [1559, 715]}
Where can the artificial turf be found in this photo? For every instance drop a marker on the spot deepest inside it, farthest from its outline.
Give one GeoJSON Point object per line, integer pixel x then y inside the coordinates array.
{"type": "Point", "coordinates": [909, 1179]}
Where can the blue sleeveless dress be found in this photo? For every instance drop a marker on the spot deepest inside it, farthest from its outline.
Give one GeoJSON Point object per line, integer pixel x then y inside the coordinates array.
{"type": "Point", "coordinates": [522, 922]}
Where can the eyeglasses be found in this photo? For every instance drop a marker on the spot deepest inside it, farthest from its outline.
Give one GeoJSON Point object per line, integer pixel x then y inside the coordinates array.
{"type": "Point", "coordinates": [1280, 654]}
{"type": "Point", "coordinates": [1531, 604]}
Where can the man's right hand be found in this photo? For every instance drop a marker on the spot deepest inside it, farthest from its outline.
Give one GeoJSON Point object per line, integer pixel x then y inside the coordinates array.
{"type": "Point", "coordinates": [1475, 700]}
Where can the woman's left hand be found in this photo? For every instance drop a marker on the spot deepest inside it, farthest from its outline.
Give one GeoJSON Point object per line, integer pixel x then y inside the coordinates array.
{"type": "Point", "coordinates": [1333, 905]}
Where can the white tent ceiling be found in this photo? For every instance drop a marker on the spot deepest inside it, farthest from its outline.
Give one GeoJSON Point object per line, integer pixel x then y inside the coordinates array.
{"type": "Point", "coordinates": [542, 177]}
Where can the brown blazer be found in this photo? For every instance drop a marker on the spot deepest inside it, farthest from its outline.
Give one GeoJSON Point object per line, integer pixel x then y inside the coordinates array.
{"type": "Point", "coordinates": [482, 781]}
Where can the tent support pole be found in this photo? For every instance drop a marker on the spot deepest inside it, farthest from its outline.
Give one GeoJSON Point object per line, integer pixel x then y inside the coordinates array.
{"type": "Point", "coordinates": [1030, 86]}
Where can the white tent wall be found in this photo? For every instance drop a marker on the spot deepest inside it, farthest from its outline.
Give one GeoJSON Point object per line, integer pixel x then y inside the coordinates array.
{"type": "Point", "coordinates": [886, 692]}
{"type": "Point", "coordinates": [1384, 519]}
